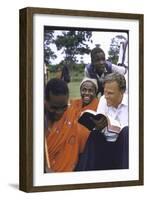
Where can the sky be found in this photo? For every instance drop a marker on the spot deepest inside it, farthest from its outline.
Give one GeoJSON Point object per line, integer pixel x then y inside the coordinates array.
{"type": "Point", "coordinates": [102, 38]}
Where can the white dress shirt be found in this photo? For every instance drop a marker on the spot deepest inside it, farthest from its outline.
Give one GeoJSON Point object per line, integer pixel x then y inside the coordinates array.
{"type": "Point", "coordinates": [120, 113]}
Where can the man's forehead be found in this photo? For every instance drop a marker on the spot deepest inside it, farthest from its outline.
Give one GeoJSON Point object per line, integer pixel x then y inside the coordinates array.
{"type": "Point", "coordinates": [57, 99]}
{"type": "Point", "coordinates": [87, 84]}
{"type": "Point", "coordinates": [112, 85]}
{"type": "Point", "coordinates": [99, 56]}
{"type": "Point", "coordinates": [113, 82]}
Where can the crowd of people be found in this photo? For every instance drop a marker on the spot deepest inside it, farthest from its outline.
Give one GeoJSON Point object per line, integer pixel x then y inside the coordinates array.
{"type": "Point", "coordinates": [70, 146]}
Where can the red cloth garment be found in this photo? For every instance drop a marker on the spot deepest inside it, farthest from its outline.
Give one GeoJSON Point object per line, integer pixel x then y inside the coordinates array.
{"type": "Point", "coordinates": [65, 141]}
{"type": "Point", "coordinates": [77, 106]}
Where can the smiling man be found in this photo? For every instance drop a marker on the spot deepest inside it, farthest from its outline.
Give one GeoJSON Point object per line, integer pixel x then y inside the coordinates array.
{"type": "Point", "coordinates": [100, 67]}
{"type": "Point", "coordinates": [114, 102]}
{"type": "Point", "coordinates": [88, 100]}
{"type": "Point", "coordinates": [88, 90]}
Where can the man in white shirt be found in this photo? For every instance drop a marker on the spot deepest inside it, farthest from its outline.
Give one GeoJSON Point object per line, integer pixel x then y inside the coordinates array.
{"type": "Point", "coordinates": [106, 150]}
{"type": "Point", "coordinates": [114, 102]}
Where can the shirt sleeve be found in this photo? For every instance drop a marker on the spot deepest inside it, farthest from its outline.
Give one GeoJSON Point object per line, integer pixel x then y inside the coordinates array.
{"type": "Point", "coordinates": [86, 74]}
{"type": "Point", "coordinates": [120, 69]}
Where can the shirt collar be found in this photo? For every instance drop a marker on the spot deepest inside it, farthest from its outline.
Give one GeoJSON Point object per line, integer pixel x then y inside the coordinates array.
{"type": "Point", "coordinates": [125, 99]}
{"type": "Point", "coordinates": [124, 102]}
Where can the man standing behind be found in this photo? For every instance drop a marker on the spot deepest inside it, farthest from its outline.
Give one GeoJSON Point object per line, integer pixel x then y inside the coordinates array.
{"type": "Point", "coordinates": [99, 67]}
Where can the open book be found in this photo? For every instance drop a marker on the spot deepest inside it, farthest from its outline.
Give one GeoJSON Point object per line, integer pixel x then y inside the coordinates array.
{"type": "Point", "coordinates": [86, 120]}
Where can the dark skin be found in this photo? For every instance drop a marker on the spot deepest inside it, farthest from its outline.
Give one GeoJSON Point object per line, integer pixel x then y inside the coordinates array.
{"type": "Point", "coordinates": [88, 92]}
{"type": "Point", "coordinates": [56, 106]}
{"type": "Point", "coordinates": [99, 63]}
{"type": "Point", "coordinates": [100, 124]}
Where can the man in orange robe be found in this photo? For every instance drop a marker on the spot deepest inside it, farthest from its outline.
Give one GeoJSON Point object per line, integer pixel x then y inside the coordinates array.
{"type": "Point", "coordinates": [65, 138]}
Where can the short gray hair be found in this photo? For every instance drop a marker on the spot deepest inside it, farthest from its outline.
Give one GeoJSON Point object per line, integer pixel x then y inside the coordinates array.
{"type": "Point", "coordinates": [119, 78]}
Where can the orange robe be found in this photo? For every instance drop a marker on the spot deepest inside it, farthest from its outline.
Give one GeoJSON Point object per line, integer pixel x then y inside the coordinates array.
{"type": "Point", "coordinates": [77, 106]}
{"type": "Point", "coordinates": [65, 141]}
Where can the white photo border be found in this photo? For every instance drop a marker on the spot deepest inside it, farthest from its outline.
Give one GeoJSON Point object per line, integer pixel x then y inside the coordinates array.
{"type": "Point", "coordinates": [41, 178]}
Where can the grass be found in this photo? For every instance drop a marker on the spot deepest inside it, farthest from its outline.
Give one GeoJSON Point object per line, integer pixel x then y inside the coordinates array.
{"type": "Point", "coordinates": [74, 89]}
{"type": "Point", "coordinates": [74, 85]}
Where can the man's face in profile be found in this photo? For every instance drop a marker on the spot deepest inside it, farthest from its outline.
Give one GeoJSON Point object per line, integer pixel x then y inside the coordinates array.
{"type": "Point", "coordinates": [56, 106]}
{"type": "Point", "coordinates": [113, 94]}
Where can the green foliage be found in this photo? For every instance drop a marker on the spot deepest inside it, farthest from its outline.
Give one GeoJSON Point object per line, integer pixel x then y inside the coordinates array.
{"type": "Point", "coordinates": [114, 48]}
{"type": "Point", "coordinates": [73, 43]}
{"type": "Point", "coordinates": [76, 73]}
{"type": "Point", "coordinates": [52, 68]}
{"type": "Point", "coordinates": [48, 39]}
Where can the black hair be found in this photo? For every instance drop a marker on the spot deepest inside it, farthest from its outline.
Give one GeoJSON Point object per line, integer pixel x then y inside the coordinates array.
{"type": "Point", "coordinates": [65, 74]}
{"type": "Point", "coordinates": [56, 87]}
{"type": "Point", "coordinates": [95, 51]}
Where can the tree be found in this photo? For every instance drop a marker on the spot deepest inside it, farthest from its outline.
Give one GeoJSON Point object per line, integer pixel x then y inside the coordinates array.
{"type": "Point", "coordinates": [48, 40]}
{"type": "Point", "coordinates": [114, 48]}
{"type": "Point", "coordinates": [73, 43]}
